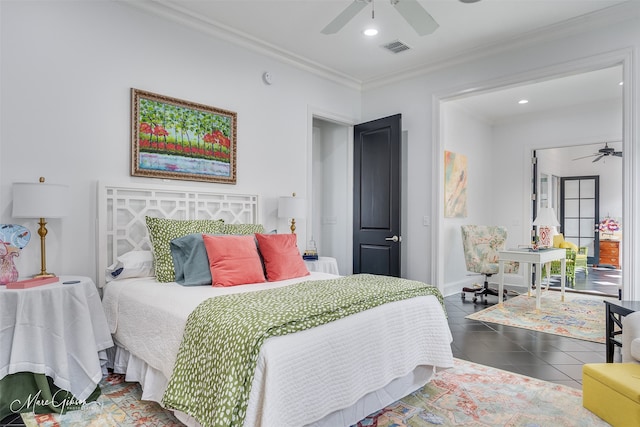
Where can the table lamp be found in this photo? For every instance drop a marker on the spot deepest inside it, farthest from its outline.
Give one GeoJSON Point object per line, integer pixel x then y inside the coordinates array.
{"type": "Point", "coordinates": [40, 200]}
{"type": "Point", "coordinates": [546, 221]}
{"type": "Point", "coordinates": [291, 207]}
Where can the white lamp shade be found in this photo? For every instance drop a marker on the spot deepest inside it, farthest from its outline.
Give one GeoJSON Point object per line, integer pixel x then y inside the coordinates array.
{"type": "Point", "coordinates": [40, 200]}
{"type": "Point", "coordinates": [291, 207]}
{"type": "Point", "coordinates": [546, 216]}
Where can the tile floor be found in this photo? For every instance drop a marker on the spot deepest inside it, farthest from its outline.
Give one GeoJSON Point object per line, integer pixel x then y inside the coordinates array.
{"type": "Point", "coordinates": [543, 356]}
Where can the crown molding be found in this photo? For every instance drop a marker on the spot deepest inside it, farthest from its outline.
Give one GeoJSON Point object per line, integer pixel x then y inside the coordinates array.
{"type": "Point", "coordinates": [176, 13]}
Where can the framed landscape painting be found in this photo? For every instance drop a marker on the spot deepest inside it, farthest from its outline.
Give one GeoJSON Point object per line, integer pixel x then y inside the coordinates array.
{"type": "Point", "coordinates": [175, 139]}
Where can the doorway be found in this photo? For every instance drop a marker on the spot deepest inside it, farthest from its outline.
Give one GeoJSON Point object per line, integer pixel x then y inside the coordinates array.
{"type": "Point", "coordinates": [331, 188]}
{"type": "Point", "coordinates": [329, 222]}
{"type": "Point", "coordinates": [512, 139]}
{"type": "Point", "coordinates": [588, 192]}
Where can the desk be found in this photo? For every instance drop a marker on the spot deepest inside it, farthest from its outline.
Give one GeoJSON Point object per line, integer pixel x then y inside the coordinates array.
{"type": "Point", "coordinates": [323, 264]}
{"type": "Point", "coordinates": [529, 258]}
{"type": "Point", "coordinates": [614, 312]}
{"type": "Point", "coordinates": [57, 330]}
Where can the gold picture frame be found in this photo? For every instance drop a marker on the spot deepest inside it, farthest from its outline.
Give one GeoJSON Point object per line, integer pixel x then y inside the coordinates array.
{"type": "Point", "coordinates": [176, 139]}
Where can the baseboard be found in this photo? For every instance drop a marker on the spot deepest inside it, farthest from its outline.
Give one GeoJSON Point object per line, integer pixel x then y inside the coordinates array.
{"type": "Point", "coordinates": [511, 281]}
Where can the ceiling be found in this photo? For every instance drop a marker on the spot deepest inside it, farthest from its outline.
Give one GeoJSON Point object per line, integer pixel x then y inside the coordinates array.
{"type": "Point", "coordinates": [564, 92]}
{"type": "Point", "coordinates": [290, 30]}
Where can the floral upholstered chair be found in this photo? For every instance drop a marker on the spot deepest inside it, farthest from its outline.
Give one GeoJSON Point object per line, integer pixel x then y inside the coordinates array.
{"type": "Point", "coordinates": [481, 244]}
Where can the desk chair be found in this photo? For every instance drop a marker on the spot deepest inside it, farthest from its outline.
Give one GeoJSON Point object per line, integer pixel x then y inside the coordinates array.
{"type": "Point", "coordinates": [481, 244]}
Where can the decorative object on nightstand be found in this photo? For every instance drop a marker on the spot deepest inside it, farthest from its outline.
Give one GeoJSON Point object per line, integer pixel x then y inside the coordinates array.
{"type": "Point", "coordinates": [546, 221]}
{"type": "Point", "coordinates": [311, 253]}
{"type": "Point", "coordinates": [40, 200]}
{"type": "Point", "coordinates": [291, 207]}
{"type": "Point", "coordinates": [13, 238]}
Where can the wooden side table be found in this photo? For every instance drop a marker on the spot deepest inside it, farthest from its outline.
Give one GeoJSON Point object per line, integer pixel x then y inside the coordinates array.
{"type": "Point", "coordinates": [615, 311]}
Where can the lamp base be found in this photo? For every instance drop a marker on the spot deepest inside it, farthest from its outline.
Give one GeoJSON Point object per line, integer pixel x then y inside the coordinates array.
{"type": "Point", "coordinates": [37, 276]}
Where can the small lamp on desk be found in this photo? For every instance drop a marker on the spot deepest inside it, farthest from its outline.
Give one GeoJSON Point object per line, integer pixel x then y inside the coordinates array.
{"type": "Point", "coordinates": [546, 222]}
{"type": "Point", "coordinates": [40, 200]}
{"type": "Point", "coordinates": [292, 207]}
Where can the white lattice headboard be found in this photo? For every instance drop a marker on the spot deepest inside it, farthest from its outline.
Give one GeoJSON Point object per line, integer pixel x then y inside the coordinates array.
{"type": "Point", "coordinates": [121, 225]}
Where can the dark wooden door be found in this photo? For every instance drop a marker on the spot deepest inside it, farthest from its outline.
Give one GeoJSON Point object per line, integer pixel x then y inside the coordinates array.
{"type": "Point", "coordinates": [376, 204]}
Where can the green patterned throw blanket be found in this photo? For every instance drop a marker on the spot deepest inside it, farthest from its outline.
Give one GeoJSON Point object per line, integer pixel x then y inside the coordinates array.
{"type": "Point", "coordinates": [216, 362]}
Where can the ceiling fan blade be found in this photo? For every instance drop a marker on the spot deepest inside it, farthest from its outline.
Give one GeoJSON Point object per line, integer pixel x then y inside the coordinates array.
{"type": "Point", "coordinates": [617, 153]}
{"type": "Point", "coordinates": [344, 17]}
{"type": "Point", "coordinates": [416, 16]}
{"type": "Point", "coordinates": [598, 158]}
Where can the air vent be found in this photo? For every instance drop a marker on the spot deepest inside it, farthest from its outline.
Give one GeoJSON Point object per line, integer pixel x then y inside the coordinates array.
{"type": "Point", "coordinates": [396, 46]}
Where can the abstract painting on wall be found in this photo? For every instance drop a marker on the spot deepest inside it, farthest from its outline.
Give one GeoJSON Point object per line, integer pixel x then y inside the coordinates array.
{"type": "Point", "coordinates": [455, 185]}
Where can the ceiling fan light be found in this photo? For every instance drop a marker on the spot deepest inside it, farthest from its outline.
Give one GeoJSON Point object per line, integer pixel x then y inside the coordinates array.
{"type": "Point", "coordinates": [370, 32]}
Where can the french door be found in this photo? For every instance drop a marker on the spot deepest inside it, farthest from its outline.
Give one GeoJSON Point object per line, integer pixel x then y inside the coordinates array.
{"type": "Point", "coordinates": [579, 212]}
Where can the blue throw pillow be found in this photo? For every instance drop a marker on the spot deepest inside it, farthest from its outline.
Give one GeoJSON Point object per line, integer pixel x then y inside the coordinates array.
{"type": "Point", "coordinates": [190, 260]}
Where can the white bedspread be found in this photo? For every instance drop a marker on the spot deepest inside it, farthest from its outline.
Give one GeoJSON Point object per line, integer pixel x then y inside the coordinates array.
{"type": "Point", "coordinates": [302, 377]}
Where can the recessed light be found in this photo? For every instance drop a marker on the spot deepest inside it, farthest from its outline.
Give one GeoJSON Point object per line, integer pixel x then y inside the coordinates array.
{"type": "Point", "coordinates": [523, 101]}
{"type": "Point", "coordinates": [370, 32]}
{"type": "Point", "coordinates": [621, 83]}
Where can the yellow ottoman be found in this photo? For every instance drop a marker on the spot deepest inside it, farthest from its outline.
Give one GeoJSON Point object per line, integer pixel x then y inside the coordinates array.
{"type": "Point", "coordinates": [612, 392]}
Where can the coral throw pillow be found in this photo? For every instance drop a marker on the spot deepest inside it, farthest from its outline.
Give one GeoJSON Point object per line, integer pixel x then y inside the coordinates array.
{"type": "Point", "coordinates": [281, 256]}
{"type": "Point", "coordinates": [233, 260]}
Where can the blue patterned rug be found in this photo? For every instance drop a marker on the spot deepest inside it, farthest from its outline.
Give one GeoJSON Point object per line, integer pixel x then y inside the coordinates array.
{"type": "Point", "coordinates": [580, 316]}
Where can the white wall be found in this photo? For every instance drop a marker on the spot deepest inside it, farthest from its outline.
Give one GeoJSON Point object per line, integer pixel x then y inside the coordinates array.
{"type": "Point", "coordinates": [66, 73]}
{"type": "Point", "coordinates": [471, 136]}
{"type": "Point", "coordinates": [417, 100]}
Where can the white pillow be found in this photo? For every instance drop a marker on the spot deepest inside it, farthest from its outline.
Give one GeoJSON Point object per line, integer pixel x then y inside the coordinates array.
{"type": "Point", "coordinates": [635, 349]}
{"type": "Point", "coordinates": [131, 264]}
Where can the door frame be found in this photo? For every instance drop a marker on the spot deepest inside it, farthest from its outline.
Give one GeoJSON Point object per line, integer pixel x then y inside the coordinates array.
{"type": "Point", "coordinates": [631, 244]}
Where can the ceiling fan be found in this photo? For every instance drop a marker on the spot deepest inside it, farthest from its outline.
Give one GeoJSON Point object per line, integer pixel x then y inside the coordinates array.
{"type": "Point", "coordinates": [410, 10]}
{"type": "Point", "coordinates": [603, 152]}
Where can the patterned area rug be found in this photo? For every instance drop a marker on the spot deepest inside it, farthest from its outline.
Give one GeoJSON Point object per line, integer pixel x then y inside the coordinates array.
{"type": "Point", "coordinates": [119, 405]}
{"type": "Point", "coordinates": [469, 395]}
{"type": "Point", "coordinates": [580, 316]}
{"type": "Point", "coordinates": [473, 395]}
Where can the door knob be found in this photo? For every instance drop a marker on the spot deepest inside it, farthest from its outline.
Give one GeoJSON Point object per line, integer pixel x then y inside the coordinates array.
{"type": "Point", "coordinates": [393, 239]}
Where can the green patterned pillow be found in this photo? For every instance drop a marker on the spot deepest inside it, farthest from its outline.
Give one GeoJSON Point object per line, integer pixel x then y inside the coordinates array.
{"type": "Point", "coordinates": [242, 229]}
{"type": "Point", "coordinates": [162, 231]}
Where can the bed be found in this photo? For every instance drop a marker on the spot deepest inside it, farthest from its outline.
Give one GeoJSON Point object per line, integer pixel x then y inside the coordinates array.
{"type": "Point", "coordinates": [334, 374]}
